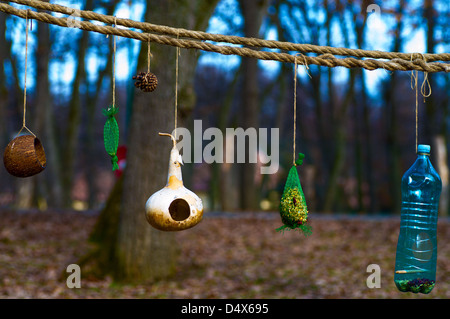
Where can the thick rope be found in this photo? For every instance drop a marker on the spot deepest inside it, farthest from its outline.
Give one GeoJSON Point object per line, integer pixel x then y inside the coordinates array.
{"type": "Point", "coordinates": [168, 36]}
{"type": "Point", "coordinates": [253, 42]}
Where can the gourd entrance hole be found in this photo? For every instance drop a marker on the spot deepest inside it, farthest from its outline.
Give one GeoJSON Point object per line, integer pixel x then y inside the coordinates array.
{"type": "Point", "coordinates": [179, 210]}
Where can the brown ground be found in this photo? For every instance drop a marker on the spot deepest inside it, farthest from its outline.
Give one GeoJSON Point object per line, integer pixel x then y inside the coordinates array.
{"type": "Point", "coordinates": [222, 257]}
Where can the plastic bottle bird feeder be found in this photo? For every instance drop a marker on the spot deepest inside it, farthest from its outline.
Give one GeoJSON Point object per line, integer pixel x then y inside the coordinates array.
{"type": "Point", "coordinates": [174, 207]}
{"type": "Point", "coordinates": [416, 256]}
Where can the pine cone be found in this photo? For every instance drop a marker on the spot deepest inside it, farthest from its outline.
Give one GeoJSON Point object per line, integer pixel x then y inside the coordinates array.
{"type": "Point", "coordinates": [147, 82]}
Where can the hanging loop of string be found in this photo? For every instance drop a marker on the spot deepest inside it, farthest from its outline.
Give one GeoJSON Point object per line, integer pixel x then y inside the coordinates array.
{"type": "Point", "coordinates": [423, 91]}
{"type": "Point", "coordinates": [423, 87]}
{"type": "Point", "coordinates": [24, 126]}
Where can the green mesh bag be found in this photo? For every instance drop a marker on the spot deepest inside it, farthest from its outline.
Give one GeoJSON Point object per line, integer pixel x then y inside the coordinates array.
{"type": "Point", "coordinates": [293, 209]}
{"type": "Point", "coordinates": [111, 134]}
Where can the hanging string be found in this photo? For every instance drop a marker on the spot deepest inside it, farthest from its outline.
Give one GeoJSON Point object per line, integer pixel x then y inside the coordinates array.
{"type": "Point", "coordinates": [423, 89]}
{"type": "Point", "coordinates": [114, 66]}
{"type": "Point", "coordinates": [305, 63]}
{"type": "Point", "coordinates": [414, 86]}
{"type": "Point", "coordinates": [295, 109]}
{"type": "Point", "coordinates": [176, 89]}
{"type": "Point", "coordinates": [149, 54]}
{"type": "Point", "coordinates": [24, 126]}
{"type": "Point", "coordinates": [417, 111]}
{"type": "Point", "coordinates": [111, 128]}
{"type": "Point", "coordinates": [25, 79]}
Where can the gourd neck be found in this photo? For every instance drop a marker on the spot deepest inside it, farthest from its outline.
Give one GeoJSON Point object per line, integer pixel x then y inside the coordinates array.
{"type": "Point", "coordinates": [174, 176]}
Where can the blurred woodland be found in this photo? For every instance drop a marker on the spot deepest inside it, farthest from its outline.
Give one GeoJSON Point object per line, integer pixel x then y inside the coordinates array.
{"type": "Point", "coordinates": [356, 127]}
{"type": "Point", "coordinates": [358, 140]}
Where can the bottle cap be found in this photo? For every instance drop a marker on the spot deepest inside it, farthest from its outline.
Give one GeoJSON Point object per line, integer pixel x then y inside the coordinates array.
{"type": "Point", "coordinates": [422, 148]}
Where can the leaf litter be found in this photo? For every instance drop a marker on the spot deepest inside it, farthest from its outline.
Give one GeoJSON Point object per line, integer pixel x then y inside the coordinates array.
{"type": "Point", "coordinates": [222, 257]}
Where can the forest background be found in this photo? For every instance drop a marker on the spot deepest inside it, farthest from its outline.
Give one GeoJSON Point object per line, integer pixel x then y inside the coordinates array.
{"type": "Point", "coordinates": [355, 126]}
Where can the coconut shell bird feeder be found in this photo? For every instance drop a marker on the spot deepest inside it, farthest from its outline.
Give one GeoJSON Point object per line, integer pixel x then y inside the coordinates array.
{"type": "Point", "coordinates": [174, 207]}
{"type": "Point", "coordinates": [24, 156]}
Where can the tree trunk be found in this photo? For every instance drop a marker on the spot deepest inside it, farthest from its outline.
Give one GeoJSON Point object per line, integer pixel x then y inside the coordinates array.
{"type": "Point", "coordinates": [45, 124]}
{"type": "Point", "coordinates": [99, 261]}
{"type": "Point", "coordinates": [92, 105]}
{"type": "Point", "coordinates": [225, 183]}
{"type": "Point", "coordinates": [369, 162]}
{"type": "Point", "coordinates": [13, 95]}
{"type": "Point", "coordinates": [3, 88]}
{"type": "Point", "coordinates": [358, 134]}
{"type": "Point", "coordinates": [444, 209]}
{"type": "Point", "coordinates": [74, 117]}
{"type": "Point", "coordinates": [140, 252]}
{"type": "Point", "coordinates": [5, 91]}
{"type": "Point", "coordinates": [340, 155]}
{"type": "Point", "coordinates": [144, 253]}
{"type": "Point", "coordinates": [393, 151]}
{"type": "Point", "coordinates": [433, 127]}
{"type": "Point", "coordinates": [362, 122]}
{"type": "Point", "coordinates": [253, 13]}
{"type": "Point", "coordinates": [340, 135]}
{"type": "Point", "coordinates": [25, 187]}
{"type": "Point", "coordinates": [442, 167]}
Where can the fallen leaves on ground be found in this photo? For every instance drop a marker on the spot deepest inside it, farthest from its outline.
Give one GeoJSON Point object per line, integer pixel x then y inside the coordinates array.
{"type": "Point", "coordinates": [241, 256]}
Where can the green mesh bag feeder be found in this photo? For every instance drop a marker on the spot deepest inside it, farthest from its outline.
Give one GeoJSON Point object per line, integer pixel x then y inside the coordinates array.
{"type": "Point", "coordinates": [111, 134]}
{"type": "Point", "coordinates": [293, 209]}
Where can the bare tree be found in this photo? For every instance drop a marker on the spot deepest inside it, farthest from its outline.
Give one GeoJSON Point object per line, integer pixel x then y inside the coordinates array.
{"type": "Point", "coordinates": [134, 250]}
{"type": "Point", "coordinates": [253, 12]}
{"type": "Point", "coordinates": [3, 88]}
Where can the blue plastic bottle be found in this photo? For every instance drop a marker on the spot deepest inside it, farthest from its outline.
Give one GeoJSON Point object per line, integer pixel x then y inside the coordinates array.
{"type": "Point", "coordinates": [415, 263]}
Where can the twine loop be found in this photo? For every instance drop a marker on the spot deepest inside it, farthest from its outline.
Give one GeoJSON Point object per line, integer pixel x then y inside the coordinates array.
{"type": "Point", "coordinates": [414, 86]}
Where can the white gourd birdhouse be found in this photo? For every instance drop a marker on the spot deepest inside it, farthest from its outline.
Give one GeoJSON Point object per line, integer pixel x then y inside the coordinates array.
{"type": "Point", "coordinates": [174, 207]}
